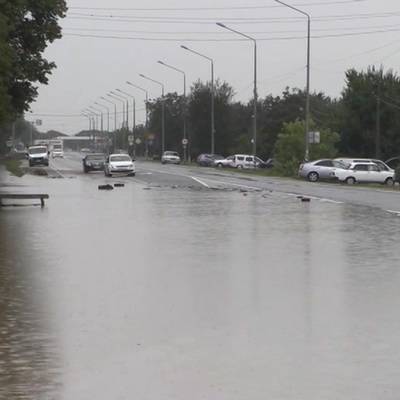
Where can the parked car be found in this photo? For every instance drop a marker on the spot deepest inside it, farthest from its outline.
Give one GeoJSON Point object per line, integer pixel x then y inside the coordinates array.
{"type": "Point", "coordinates": [366, 172]}
{"type": "Point", "coordinates": [38, 155]}
{"type": "Point", "coordinates": [241, 161]}
{"type": "Point", "coordinates": [170, 157]}
{"type": "Point", "coordinates": [208, 160]}
{"type": "Point", "coordinates": [119, 164]}
{"type": "Point", "coordinates": [93, 162]}
{"type": "Point", "coordinates": [382, 165]}
{"type": "Point", "coordinates": [320, 169]}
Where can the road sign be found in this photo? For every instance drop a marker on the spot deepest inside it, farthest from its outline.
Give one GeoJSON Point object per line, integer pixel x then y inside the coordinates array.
{"type": "Point", "coordinates": [314, 137]}
{"type": "Point", "coordinates": [9, 143]}
{"type": "Point", "coordinates": [131, 137]}
{"type": "Point", "coordinates": [185, 142]}
{"type": "Point", "coordinates": [138, 141]}
{"type": "Point", "coordinates": [38, 122]}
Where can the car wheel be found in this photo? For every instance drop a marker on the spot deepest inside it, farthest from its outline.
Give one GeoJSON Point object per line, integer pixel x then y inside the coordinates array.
{"type": "Point", "coordinates": [239, 166]}
{"type": "Point", "coordinates": [350, 181]}
{"type": "Point", "coordinates": [132, 174]}
{"type": "Point", "coordinates": [85, 170]}
{"type": "Point", "coordinates": [219, 165]}
{"type": "Point", "coordinates": [163, 162]}
{"type": "Point", "coordinates": [389, 182]}
{"type": "Point", "coordinates": [313, 176]}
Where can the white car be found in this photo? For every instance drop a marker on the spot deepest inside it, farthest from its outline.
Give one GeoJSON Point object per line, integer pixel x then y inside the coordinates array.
{"type": "Point", "coordinates": [38, 155]}
{"type": "Point", "coordinates": [119, 164]}
{"type": "Point", "coordinates": [383, 166]}
{"type": "Point", "coordinates": [57, 153]}
{"type": "Point", "coordinates": [171, 157]}
{"type": "Point", "coordinates": [366, 172]}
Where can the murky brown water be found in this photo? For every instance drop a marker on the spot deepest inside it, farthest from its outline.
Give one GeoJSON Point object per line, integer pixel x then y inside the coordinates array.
{"type": "Point", "coordinates": [178, 294]}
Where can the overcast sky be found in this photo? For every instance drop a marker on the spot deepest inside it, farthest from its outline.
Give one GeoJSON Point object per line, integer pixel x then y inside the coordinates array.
{"type": "Point", "coordinates": [106, 43]}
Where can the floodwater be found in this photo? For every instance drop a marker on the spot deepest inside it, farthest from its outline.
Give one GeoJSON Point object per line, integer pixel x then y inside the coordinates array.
{"type": "Point", "coordinates": [197, 294]}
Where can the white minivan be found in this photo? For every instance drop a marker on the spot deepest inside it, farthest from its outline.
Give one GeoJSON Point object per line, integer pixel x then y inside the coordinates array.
{"type": "Point", "coordinates": [240, 161]}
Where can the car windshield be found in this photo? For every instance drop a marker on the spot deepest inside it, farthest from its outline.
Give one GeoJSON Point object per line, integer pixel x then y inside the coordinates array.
{"type": "Point", "coordinates": [120, 158]}
{"type": "Point", "coordinates": [95, 157]}
{"type": "Point", "coordinates": [38, 150]}
{"type": "Point", "coordinates": [218, 157]}
{"type": "Point", "coordinates": [171, 153]}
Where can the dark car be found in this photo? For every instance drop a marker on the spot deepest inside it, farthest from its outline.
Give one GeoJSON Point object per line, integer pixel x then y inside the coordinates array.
{"type": "Point", "coordinates": [266, 164]}
{"type": "Point", "coordinates": [93, 162]}
{"type": "Point", "coordinates": [208, 160]}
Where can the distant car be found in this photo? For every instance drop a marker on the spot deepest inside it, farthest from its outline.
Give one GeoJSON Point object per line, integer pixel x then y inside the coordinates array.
{"type": "Point", "coordinates": [366, 172]}
{"type": "Point", "coordinates": [170, 157]}
{"type": "Point", "coordinates": [93, 162]}
{"type": "Point", "coordinates": [38, 155]}
{"type": "Point", "coordinates": [241, 161]}
{"type": "Point", "coordinates": [86, 150]}
{"type": "Point", "coordinates": [119, 164]}
{"type": "Point", "coordinates": [208, 160]}
{"type": "Point", "coordinates": [320, 169]}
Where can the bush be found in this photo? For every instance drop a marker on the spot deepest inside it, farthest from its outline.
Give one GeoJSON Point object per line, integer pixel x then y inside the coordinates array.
{"type": "Point", "coordinates": [289, 148]}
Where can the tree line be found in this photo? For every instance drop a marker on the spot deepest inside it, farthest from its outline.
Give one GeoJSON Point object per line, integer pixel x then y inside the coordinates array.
{"type": "Point", "coordinates": [363, 122]}
{"type": "Point", "coordinates": [26, 29]}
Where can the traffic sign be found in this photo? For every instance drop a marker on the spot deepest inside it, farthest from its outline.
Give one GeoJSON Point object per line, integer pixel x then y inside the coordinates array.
{"type": "Point", "coordinates": [138, 141]}
{"type": "Point", "coordinates": [185, 142]}
{"type": "Point", "coordinates": [131, 137]}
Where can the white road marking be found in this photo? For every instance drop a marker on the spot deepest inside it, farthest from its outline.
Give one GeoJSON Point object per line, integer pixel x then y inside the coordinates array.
{"type": "Point", "coordinates": [200, 181]}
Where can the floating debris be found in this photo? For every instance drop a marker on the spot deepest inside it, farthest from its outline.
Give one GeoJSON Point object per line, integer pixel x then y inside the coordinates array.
{"type": "Point", "coordinates": [106, 187]}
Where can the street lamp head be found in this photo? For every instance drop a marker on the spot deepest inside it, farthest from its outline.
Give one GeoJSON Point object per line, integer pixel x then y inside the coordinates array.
{"type": "Point", "coordinates": [141, 75]}
{"type": "Point", "coordinates": [129, 83]}
{"type": "Point", "coordinates": [161, 62]}
{"type": "Point", "coordinates": [184, 47]}
{"type": "Point", "coordinates": [221, 25]}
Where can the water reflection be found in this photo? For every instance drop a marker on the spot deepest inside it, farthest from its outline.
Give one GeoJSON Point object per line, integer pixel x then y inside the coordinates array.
{"type": "Point", "coordinates": [27, 351]}
{"type": "Point", "coordinates": [179, 294]}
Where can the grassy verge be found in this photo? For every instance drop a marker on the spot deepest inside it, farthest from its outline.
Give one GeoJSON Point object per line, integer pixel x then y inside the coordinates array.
{"type": "Point", "coordinates": [13, 166]}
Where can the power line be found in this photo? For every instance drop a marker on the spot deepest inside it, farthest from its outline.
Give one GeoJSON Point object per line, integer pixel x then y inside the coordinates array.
{"type": "Point", "coordinates": [163, 39]}
{"type": "Point", "coordinates": [247, 7]}
{"type": "Point", "coordinates": [232, 19]}
{"type": "Point", "coordinates": [223, 33]}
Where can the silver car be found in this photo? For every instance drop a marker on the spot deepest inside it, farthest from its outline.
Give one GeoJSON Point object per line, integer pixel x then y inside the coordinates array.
{"type": "Point", "coordinates": [170, 157]}
{"type": "Point", "coordinates": [320, 169]}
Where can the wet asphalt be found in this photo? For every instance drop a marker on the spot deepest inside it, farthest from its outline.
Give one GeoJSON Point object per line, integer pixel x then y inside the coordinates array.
{"type": "Point", "coordinates": [194, 283]}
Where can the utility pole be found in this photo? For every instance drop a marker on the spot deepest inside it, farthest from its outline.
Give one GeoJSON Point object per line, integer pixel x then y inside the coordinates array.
{"type": "Point", "coordinates": [378, 127]}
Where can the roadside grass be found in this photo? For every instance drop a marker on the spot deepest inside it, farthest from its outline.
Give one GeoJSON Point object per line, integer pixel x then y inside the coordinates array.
{"type": "Point", "coordinates": [13, 166]}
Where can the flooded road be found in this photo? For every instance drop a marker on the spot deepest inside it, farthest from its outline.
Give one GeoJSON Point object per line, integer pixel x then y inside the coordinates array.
{"type": "Point", "coordinates": [149, 292]}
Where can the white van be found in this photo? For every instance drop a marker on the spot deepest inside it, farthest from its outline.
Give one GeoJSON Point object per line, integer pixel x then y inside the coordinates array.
{"type": "Point", "coordinates": [38, 155]}
{"type": "Point", "coordinates": [239, 161]}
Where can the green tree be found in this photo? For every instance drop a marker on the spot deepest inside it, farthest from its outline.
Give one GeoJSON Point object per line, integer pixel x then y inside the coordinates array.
{"type": "Point", "coordinates": [289, 148]}
{"type": "Point", "coordinates": [26, 29]}
{"type": "Point", "coordinates": [200, 117]}
{"type": "Point", "coordinates": [361, 95]}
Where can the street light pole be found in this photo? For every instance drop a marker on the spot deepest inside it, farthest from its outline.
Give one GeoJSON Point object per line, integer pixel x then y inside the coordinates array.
{"type": "Point", "coordinates": [133, 107]}
{"type": "Point", "coordinates": [146, 102]}
{"type": "Point", "coordinates": [123, 106]}
{"type": "Point", "coordinates": [115, 111]}
{"type": "Point", "coordinates": [108, 114]}
{"type": "Point", "coordinates": [89, 119]}
{"type": "Point", "coordinates": [255, 100]}
{"type": "Point", "coordinates": [126, 102]}
{"type": "Point", "coordinates": [307, 151]}
{"type": "Point", "coordinates": [184, 105]}
{"type": "Point", "coordinates": [162, 110]}
{"type": "Point", "coordinates": [101, 116]}
{"type": "Point", "coordinates": [212, 96]}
